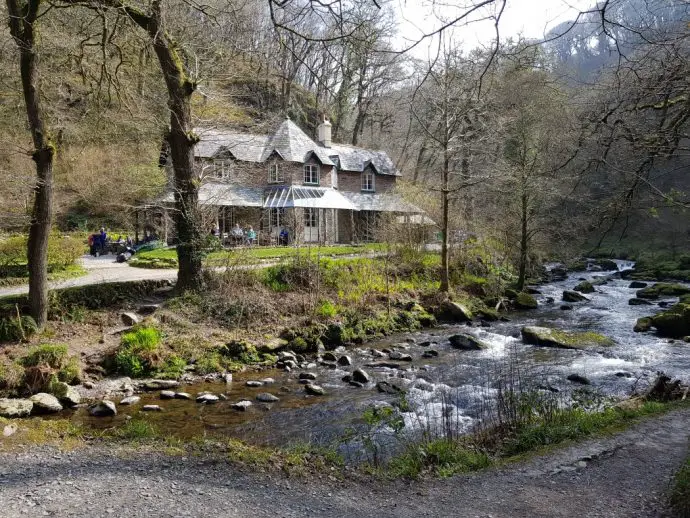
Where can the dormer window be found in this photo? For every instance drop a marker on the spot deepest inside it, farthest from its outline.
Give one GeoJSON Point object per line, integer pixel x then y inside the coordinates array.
{"type": "Point", "coordinates": [223, 169]}
{"type": "Point", "coordinates": [311, 174]}
{"type": "Point", "coordinates": [368, 181]}
{"type": "Point", "coordinates": [275, 173]}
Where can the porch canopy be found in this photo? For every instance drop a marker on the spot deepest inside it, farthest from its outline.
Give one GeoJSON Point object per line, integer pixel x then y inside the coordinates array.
{"type": "Point", "coordinates": [306, 197]}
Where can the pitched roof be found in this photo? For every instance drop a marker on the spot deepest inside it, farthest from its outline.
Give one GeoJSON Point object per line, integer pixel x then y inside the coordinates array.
{"type": "Point", "coordinates": [293, 145]}
{"type": "Point", "coordinates": [385, 202]}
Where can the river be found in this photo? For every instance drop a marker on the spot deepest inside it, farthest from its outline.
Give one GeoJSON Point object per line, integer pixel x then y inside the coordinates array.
{"type": "Point", "coordinates": [455, 389]}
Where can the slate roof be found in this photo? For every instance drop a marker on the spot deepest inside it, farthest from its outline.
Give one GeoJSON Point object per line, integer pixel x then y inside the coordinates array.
{"type": "Point", "coordinates": [293, 145]}
{"type": "Point", "coordinates": [224, 194]}
{"type": "Point", "coordinates": [385, 202]}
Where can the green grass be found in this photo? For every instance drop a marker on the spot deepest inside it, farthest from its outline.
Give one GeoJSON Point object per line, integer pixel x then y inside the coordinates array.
{"type": "Point", "coordinates": [680, 491]}
{"type": "Point", "coordinates": [167, 257]}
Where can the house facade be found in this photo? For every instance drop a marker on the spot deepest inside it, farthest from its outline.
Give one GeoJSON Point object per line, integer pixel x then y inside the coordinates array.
{"type": "Point", "coordinates": [317, 191]}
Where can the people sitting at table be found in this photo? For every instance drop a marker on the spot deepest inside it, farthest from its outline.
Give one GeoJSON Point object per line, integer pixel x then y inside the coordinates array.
{"type": "Point", "coordinates": [284, 237]}
{"type": "Point", "coordinates": [237, 234]}
{"type": "Point", "coordinates": [250, 236]}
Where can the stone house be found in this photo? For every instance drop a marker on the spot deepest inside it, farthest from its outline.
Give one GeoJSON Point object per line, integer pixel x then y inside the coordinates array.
{"type": "Point", "coordinates": [318, 191]}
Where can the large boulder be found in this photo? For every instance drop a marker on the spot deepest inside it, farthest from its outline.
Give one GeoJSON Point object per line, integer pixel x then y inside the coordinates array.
{"type": "Point", "coordinates": [548, 337]}
{"type": "Point", "coordinates": [360, 376]}
{"type": "Point", "coordinates": [663, 289]}
{"type": "Point", "coordinates": [454, 311]}
{"type": "Point", "coordinates": [639, 302]}
{"type": "Point", "coordinates": [675, 322]}
{"type": "Point", "coordinates": [643, 325]}
{"type": "Point", "coordinates": [129, 318]}
{"type": "Point", "coordinates": [15, 407]}
{"type": "Point", "coordinates": [65, 393]}
{"type": "Point", "coordinates": [45, 403]}
{"type": "Point", "coordinates": [467, 342]}
{"type": "Point", "coordinates": [573, 296]}
{"type": "Point", "coordinates": [638, 285]}
{"type": "Point", "coordinates": [103, 408]}
{"type": "Point", "coordinates": [525, 301]}
{"type": "Point", "coordinates": [584, 287]}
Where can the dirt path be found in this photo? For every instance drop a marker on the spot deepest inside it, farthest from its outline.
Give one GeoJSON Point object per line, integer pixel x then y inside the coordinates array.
{"type": "Point", "coordinates": [619, 476]}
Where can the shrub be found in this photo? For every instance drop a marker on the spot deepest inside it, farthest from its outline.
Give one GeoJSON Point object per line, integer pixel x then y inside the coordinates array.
{"type": "Point", "coordinates": [70, 373]}
{"type": "Point", "coordinates": [138, 354]}
{"type": "Point", "coordinates": [173, 367]}
{"type": "Point", "coordinates": [327, 309]}
{"type": "Point", "coordinates": [209, 364]}
{"type": "Point", "coordinates": [62, 252]}
{"type": "Point", "coordinates": [51, 355]}
{"type": "Point", "coordinates": [14, 329]}
{"type": "Point", "coordinates": [680, 492]}
{"type": "Point", "coordinates": [11, 375]}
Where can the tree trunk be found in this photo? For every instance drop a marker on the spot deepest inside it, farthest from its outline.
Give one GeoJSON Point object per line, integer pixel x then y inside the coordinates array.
{"type": "Point", "coordinates": [182, 141]}
{"type": "Point", "coordinates": [523, 243]}
{"type": "Point", "coordinates": [445, 252]}
{"type": "Point", "coordinates": [22, 20]}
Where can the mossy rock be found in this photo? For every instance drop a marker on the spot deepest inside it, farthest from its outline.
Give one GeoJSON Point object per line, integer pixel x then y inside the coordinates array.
{"type": "Point", "coordinates": [525, 301]}
{"type": "Point", "coordinates": [584, 287]}
{"type": "Point", "coordinates": [663, 289]}
{"type": "Point", "coordinates": [454, 311]}
{"type": "Point", "coordinates": [674, 323]}
{"type": "Point", "coordinates": [573, 296]}
{"type": "Point", "coordinates": [643, 325]}
{"type": "Point", "coordinates": [558, 338]}
{"type": "Point", "coordinates": [607, 265]}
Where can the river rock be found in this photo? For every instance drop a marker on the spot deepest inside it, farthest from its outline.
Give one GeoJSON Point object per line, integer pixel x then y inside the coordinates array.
{"type": "Point", "coordinates": [307, 376]}
{"type": "Point", "coordinates": [242, 406]}
{"type": "Point", "coordinates": [639, 302]}
{"type": "Point", "coordinates": [254, 383]}
{"type": "Point", "coordinates": [525, 301]}
{"type": "Point", "coordinates": [8, 430]}
{"type": "Point", "coordinates": [431, 353]}
{"type": "Point", "coordinates": [266, 397]}
{"type": "Point", "coordinates": [467, 342]}
{"type": "Point", "coordinates": [344, 360]}
{"type": "Point", "coordinates": [167, 394]}
{"type": "Point", "coordinates": [426, 343]}
{"type": "Point", "coordinates": [674, 322]}
{"type": "Point", "coordinates": [566, 307]}
{"type": "Point", "coordinates": [183, 395]}
{"type": "Point", "coordinates": [638, 285]}
{"type": "Point", "coordinates": [314, 390]}
{"type": "Point", "coordinates": [227, 377]}
{"type": "Point", "coordinates": [454, 311]}
{"type": "Point", "coordinates": [547, 337]}
{"type": "Point", "coordinates": [103, 408]}
{"type": "Point", "coordinates": [401, 357]}
{"type": "Point", "coordinates": [643, 325]}
{"type": "Point", "coordinates": [573, 296]}
{"type": "Point", "coordinates": [389, 387]}
{"type": "Point", "coordinates": [15, 407]}
{"type": "Point", "coordinates": [161, 384]}
{"type": "Point", "coordinates": [357, 384]}
{"type": "Point", "coordinates": [131, 400]}
{"type": "Point", "coordinates": [45, 403]}
{"type": "Point", "coordinates": [268, 381]}
{"type": "Point", "coordinates": [578, 378]}
{"type": "Point", "coordinates": [151, 408]}
{"type": "Point", "coordinates": [207, 399]}
{"type": "Point", "coordinates": [129, 318]}
{"type": "Point", "coordinates": [378, 354]}
{"type": "Point", "coordinates": [360, 376]}
{"type": "Point", "coordinates": [65, 393]}
{"type": "Point", "coordinates": [584, 287]}
{"type": "Point", "coordinates": [329, 357]}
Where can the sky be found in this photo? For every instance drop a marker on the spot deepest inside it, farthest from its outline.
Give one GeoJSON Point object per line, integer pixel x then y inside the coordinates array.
{"type": "Point", "coordinates": [531, 18]}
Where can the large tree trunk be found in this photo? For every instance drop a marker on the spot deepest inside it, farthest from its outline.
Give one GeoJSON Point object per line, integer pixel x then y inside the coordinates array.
{"type": "Point", "coordinates": [182, 141]}
{"type": "Point", "coordinates": [22, 18]}
{"type": "Point", "coordinates": [445, 249]}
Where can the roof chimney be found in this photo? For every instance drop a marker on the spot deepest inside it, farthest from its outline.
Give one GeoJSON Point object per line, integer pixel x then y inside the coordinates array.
{"type": "Point", "coordinates": [324, 132]}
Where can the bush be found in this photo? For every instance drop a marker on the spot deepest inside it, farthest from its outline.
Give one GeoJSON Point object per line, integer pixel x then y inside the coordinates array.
{"type": "Point", "coordinates": [14, 329]}
{"type": "Point", "coordinates": [51, 355]}
{"type": "Point", "coordinates": [11, 375]}
{"type": "Point", "coordinates": [62, 253]}
{"type": "Point", "coordinates": [327, 309]}
{"type": "Point", "coordinates": [680, 493]}
{"type": "Point", "coordinates": [138, 354]}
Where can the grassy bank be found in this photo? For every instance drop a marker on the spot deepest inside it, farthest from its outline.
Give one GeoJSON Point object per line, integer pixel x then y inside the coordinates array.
{"type": "Point", "coordinates": [167, 257]}
{"type": "Point", "coordinates": [680, 491]}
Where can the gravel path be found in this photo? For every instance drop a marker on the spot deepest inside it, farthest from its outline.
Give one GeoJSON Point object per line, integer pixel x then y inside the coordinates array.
{"type": "Point", "coordinates": [100, 270]}
{"type": "Point", "coordinates": [619, 476]}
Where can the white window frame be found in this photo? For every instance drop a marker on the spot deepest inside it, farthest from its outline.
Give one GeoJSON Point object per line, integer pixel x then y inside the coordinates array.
{"type": "Point", "coordinates": [223, 168]}
{"type": "Point", "coordinates": [275, 173]}
{"type": "Point", "coordinates": [368, 175]}
{"type": "Point", "coordinates": [311, 217]}
{"type": "Point", "coordinates": [276, 215]}
{"type": "Point", "coordinates": [312, 171]}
